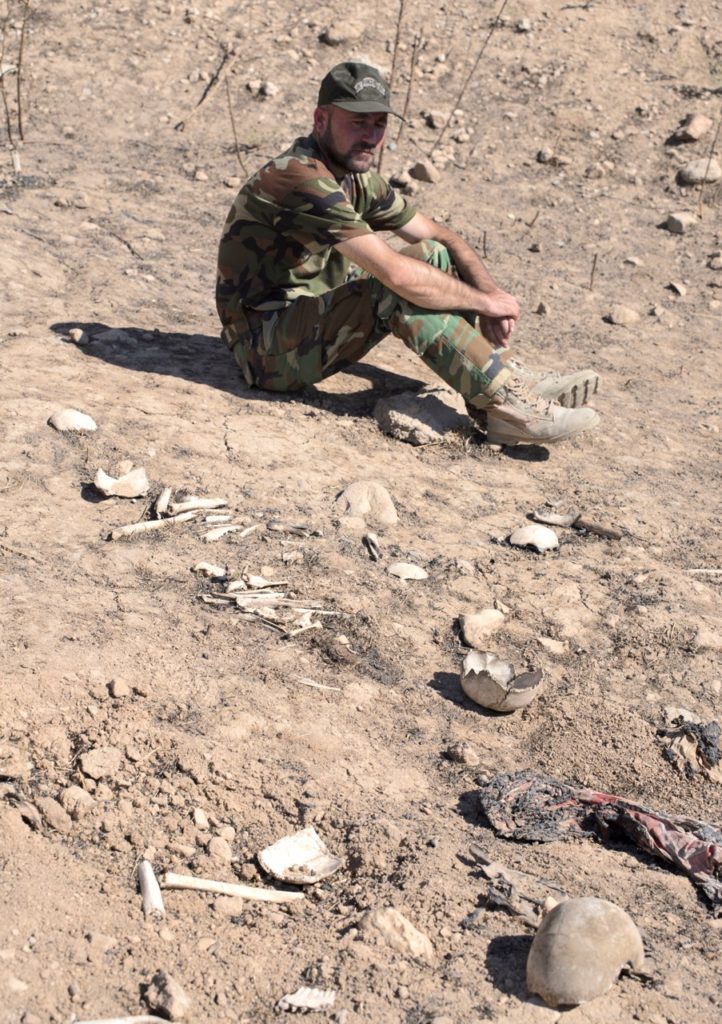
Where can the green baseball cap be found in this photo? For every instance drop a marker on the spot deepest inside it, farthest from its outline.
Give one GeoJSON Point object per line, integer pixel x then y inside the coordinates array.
{"type": "Point", "coordinates": [354, 86]}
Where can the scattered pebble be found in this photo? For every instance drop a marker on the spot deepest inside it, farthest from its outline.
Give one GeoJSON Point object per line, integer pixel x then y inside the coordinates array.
{"type": "Point", "coordinates": [396, 931]}
{"type": "Point", "coordinates": [545, 155]}
{"type": "Point", "coordinates": [476, 627]}
{"type": "Point", "coordinates": [118, 688]}
{"type": "Point", "coordinates": [101, 762]}
{"type": "Point", "coordinates": [680, 223]}
{"type": "Point", "coordinates": [54, 814]}
{"type": "Point", "coordinates": [220, 850]}
{"type": "Point", "coordinates": [424, 170]}
{"type": "Point", "coordinates": [463, 753]}
{"type": "Point", "coordinates": [369, 501]}
{"type": "Point", "coordinates": [623, 316]}
{"type": "Point", "coordinates": [71, 420]}
{"type": "Point", "coordinates": [166, 995]}
{"type": "Point", "coordinates": [76, 801]}
{"type": "Point", "coordinates": [678, 287]}
{"type": "Point", "coordinates": [700, 171]}
{"type": "Point", "coordinates": [692, 128]}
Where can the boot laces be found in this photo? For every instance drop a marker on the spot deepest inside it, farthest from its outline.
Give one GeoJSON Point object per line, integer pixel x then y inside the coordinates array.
{"type": "Point", "coordinates": [518, 390]}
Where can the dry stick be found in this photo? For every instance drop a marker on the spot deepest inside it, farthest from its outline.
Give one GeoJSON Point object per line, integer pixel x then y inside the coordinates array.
{"type": "Point", "coordinates": [594, 268]}
{"type": "Point", "coordinates": [416, 46]}
{"type": "Point", "coordinates": [469, 77]}
{"type": "Point", "coordinates": [393, 70]}
{"type": "Point", "coordinates": [150, 891]}
{"type": "Point", "coordinates": [21, 47]}
{"type": "Point", "coordinates": [483, 246]}
{"type": "Point", "coordinates": [8, 121]}
{"type": "Point", "coordinates": [233, 129]}
{"type": "Point", "coordinates": [229, 59]}
{"type": "Point", "coordinates": [145, 1019]}
{"type": "Point", "coordinates": [709, 161]}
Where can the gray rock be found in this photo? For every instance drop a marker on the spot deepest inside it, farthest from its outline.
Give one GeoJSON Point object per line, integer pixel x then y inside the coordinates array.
{"type": "Point", "coordinates": [622, 315]}
{"type": "Point", "coordinates": [220, 851]}
{"type": "Point", "coordinates": [341, 32]}
{"type": "Point", "coordinates": [700, 171]}
{"type": "Point", "coordinates": [54, 814]}
{"type": "Point", "coordinates": [463, 753]}
{"type": "Point", "coordinates": [680, 223]}
{"type": "Point", "coordinates": [693, 128]}
{"type": "Point", "coordinates": [396, 931]}
{"type": "Point", "coordinates": [369, 501]}
{"type": "Point", "coordinates": [424, 170]}
{"type": "Point", "coordinates": [101, 762]}
{"type": "Point", "coordinates": [423, 418]}
{"type": "Point", "coordinates": [167, 996]}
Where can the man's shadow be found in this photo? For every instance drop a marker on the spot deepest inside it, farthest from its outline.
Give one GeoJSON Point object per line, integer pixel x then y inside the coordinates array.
{"type": "Point", "coordinates": [204, 359]}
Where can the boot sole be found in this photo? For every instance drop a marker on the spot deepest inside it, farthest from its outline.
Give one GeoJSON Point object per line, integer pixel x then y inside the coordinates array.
{"type": "Point", "coordinates": [577, 393]}
{"type": "Point", "coordinates": [494, 437]}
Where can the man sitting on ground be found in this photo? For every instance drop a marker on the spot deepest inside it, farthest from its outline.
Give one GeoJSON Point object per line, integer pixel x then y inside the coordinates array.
{"type": "Point", "coordinates": [292, 313]}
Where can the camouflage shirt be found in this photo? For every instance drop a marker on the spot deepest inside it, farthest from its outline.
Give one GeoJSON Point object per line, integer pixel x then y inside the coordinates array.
{"type": "Point", "coordinates": [279, 237]}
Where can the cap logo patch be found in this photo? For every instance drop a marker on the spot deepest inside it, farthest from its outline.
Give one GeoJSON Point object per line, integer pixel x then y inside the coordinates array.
{"type": "Point", "coordinates": [369, 83]}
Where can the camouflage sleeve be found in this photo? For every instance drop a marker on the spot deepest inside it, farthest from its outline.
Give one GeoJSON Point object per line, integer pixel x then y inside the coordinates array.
{"type": "Point", "coordinates": [307, 206]}
{"type": "Point", "coordinates": [387, 209]}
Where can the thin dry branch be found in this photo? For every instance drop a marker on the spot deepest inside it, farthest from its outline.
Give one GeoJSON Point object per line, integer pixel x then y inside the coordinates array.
{"type": "Point", "coordinates": [233, 129]}
{"type": "Point", "coordinates": [393, 69]}
{"type": "Point", "coordinates": [415, 48]}
{"type": "Point", "coordinates": [469, 77]}
{"type": "Point", "coordinates": [3, 90]}
{"type": "Point", "coordinates": [21, 50]}
{"type": "Point", "coordinates": [709, 162]}
{"type": "Point", "coordinates": [229, 59]}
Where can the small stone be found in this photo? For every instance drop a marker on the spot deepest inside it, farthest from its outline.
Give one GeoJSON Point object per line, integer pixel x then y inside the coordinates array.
{"type": "Point", "coordinates": [118, 688]}
{"type": "Point", "coordinates": [535, 247]}
{"type": "Point", "coordinates": [542, 309]}
{"type": "Point", "coordinates": [368, 501]}
{"type": "Point", "coordinates": [54, 814]}
{"type": "Point", "coordinates": [424, 170]}
{"type": "Point", "coordinates": [227, 832]}
{"type": "Point", "coordinates": [634, 261]}
{"type": "Point", "coordinates": [200, 175]}
{"type": "Point", "coordinates": [254, 86]}
{"type": "Point", "coordinates": [76, 801]}
{"type": "Point", "coordinates": [595, 171]}
{"type": "Point", "coordinates": [700, 171]}
{"type": "Point", "coordinates": [396, 931]}
{"type": "Point", "coordinates": [434, 119]}
{"type": "Point", "coordinates": [400, 179]}
{"type": "Point", "coordinates": [545, 155]}
{"type": "Point", "coordinates": [693, 128]}
{"type": "Point", "coordinates": [341, 32]}
{"type": "Point", "coordinates": [623, 316]}
{"type": "Point", "coordinates": [463, 753]}
{"type": "Point", "coordinates": [523, 25]}
{"type": "Point", "coordinates": [166, 995]}
{"type": "Point", "coordinates": [77, 335]}
{"type": "Point", "coordinates": [98, 945]}
{"type": "Point", "coordinates": [220, 851]}
{"type": "Point", "coordinates": [269, 89]}
{"type": "Point", "coordinates": [101, 762]}
{"type": "Point", "coordinates": [678, 287]}
{"type": "Point", "coordinates": [407, 571]}
{"type": "Point", "coordinates": [232, 182]}
{"type": "Point", "coordinates": [477, 627]}
{"type": "Point", "coordinates": [680, 223]}
{"type": "Point", "coordinates": [551, 645]}
{"type": "Point", "coordinates": [200, 819]}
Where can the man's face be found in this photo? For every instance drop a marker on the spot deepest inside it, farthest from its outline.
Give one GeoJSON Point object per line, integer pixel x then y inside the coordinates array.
{"type": "Point", "coordinates": [351, 138]}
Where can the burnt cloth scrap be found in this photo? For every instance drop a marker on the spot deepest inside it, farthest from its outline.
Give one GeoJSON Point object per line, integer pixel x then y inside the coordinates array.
{"type": "Point", "coordinates": [536, 808]}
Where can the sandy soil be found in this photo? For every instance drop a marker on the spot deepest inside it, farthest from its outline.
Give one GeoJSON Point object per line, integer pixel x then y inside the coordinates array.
{"type": "Point", "coordinates": [112, 226]}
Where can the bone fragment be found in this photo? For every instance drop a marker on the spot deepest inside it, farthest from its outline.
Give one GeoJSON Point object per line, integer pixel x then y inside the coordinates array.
{"type": "Point", "coordinates": [248, 892]}
{"type": "Point", "coordinates": [145, 1019]}
{"type": "Point", "coordinates": [316, 686]}
{"type": "Point", "coordinates": [301, 629]}
{"type": "Point", "coordinates": [372, 546]}
{"type": "Point", "coordinates": [133, 484]}
{"type": "Point", "coordinates": [221, 531]}
{"type": "Point", "coordinates": [149, 525]}
{"type": "Point", "coordinates": [194, 503]}
{"type": "Point", "coordinates": [207, 569]}
{"type": "Point", "coordinates": [150, 891]}
{"type": "Point", "coordinates": [297, 529]}
{"type": "Point", "coordinates": [162, 502]}
{"type": "Point", "coordinates": [575, 520]}
{"type": "Point", "coordinates": [222, 518]}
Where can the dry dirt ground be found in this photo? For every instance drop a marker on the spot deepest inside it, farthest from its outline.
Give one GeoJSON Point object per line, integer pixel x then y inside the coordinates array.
{"type": "Point", "coordinates": [112, 224]}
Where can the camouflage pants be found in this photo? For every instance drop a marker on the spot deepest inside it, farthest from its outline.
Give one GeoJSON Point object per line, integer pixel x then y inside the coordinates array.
{"type": "Point", "coordinates": [317, 336]}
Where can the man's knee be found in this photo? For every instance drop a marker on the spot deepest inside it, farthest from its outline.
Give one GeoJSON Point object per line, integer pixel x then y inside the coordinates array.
{"type": "Point", "coordinates": [428, 251]}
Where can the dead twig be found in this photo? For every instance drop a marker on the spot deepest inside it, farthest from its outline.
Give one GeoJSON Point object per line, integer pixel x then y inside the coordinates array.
{"type": "Point", "coordinates": [415, 48]}
{"type": "Point", "coordinates": [709, 161]}
{"type": "Point", "coordinates": [393, 69]}
{"type": "Point", "coordinates": [229, 59]}
{"type": "Point", "coordinates": [594, 268]}
{"type": "Point", "coordinates": [235, 133]}
{"type": "Point", "coordinates": [3, 90]}
{"type": "Point", "coordinates": [469, 77]}
{"type": "Point", "coordinates": [21, 49]}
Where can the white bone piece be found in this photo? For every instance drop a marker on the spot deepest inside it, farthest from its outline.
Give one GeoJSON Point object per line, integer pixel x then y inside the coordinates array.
{"type": "Point", "coordinates": [302, 858]}
{"type": "Point", "coordinates": [541, 538]}
{"type": "Point", "coordinates": [494, 684]}
{"type": "Point", "coordinates": [305, 999]}
{"type": "Point", "coordinates": [71, 420]}
{"type": "Point", "coordinates": [131, 485]}
{"type": "Point", "coordinates": [407, 571]}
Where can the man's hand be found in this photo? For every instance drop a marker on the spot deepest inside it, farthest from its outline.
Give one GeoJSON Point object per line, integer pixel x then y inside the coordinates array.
{"type": "Point", "coordinates": [497, 330]}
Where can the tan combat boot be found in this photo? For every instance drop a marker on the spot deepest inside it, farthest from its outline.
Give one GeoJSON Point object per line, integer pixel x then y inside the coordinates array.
{"type": "Point", "coordinates": [518, 416]}
{"type": "Point", "coordinates": [571, 390]}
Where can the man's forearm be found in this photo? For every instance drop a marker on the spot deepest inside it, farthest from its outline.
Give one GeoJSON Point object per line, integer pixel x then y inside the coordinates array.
{"type": "Point", "coordinates": [468, 265]}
